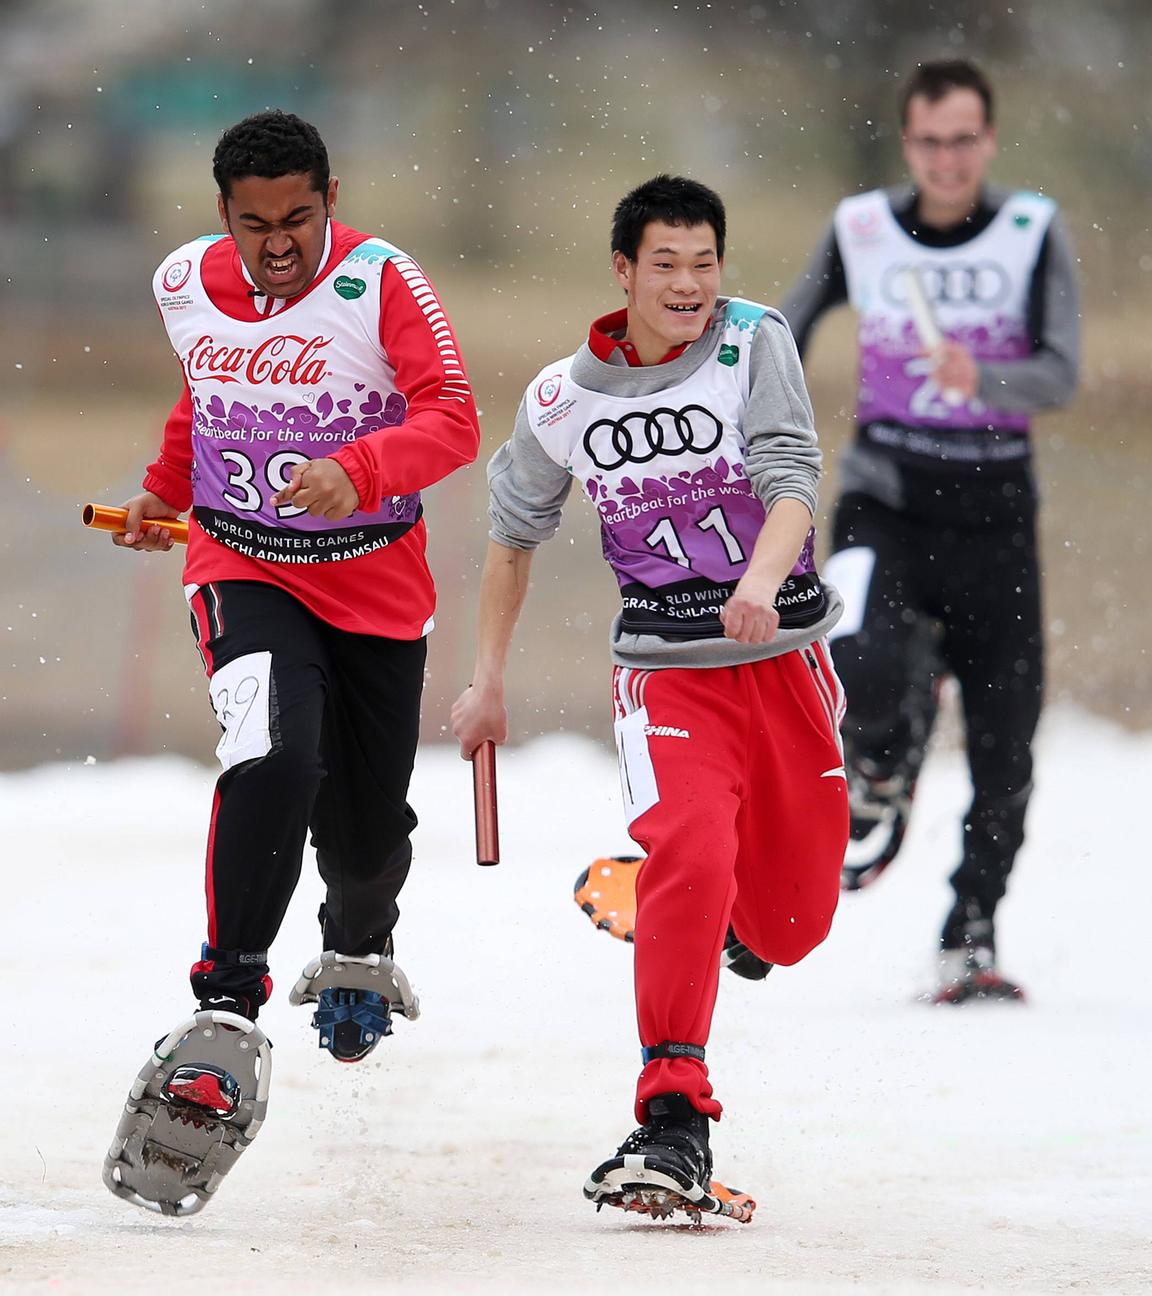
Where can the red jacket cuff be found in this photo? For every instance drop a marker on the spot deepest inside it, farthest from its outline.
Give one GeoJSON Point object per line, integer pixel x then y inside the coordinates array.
{"type": "Point", "coordinates": [359, 475]}
{"type": "Point", "coordinates": [171, 489]}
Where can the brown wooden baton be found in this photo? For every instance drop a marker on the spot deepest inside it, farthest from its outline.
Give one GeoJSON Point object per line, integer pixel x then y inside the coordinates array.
{"type": "Point", "coordinates": [484, 797]}
{"type": "Point", "coordinates": [103, 517]}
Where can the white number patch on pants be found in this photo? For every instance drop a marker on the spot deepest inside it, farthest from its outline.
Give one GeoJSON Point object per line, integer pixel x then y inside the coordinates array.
{"type": "Point", "coordinates": [637, 777]}
{"type": "Point", "coordinates": [241, 694]}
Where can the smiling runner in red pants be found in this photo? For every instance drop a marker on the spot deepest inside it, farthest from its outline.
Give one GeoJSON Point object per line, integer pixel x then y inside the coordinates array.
{"type": "Point", "coordinates": [686, 420]}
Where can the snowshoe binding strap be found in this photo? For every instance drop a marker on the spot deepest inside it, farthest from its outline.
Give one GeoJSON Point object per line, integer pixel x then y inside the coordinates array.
{"type": "Point", "coordinates": [197, 1103]}
{"type": "Point", "coordinates": [350, 1023]}
{"type": "Point", "coordinates": [671, 1049]}
{"type": "Point", "coordinates": [376, 973]}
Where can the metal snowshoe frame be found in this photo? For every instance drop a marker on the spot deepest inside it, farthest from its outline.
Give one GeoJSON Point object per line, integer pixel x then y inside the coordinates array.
{"type": "Point", "coordinates": [646, 1185]}
{"type": "Point", "coordinates": [169, 1156]}
{"type": "Point", "coordinates": [374, 972]}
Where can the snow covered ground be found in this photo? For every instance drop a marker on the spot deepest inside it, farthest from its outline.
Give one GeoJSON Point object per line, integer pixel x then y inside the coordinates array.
{"type": "Point", "coordinates": [893, 1147]}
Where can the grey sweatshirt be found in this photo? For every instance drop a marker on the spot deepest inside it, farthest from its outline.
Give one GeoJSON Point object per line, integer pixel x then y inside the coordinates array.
{"type": "Point", "coordinates": [782, 460]}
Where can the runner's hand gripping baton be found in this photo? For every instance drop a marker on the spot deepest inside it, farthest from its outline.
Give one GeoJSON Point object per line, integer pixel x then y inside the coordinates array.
{"type": "Point", "coordinates": [927, 329]}
{"type": "Point", "coordinates": [102, 517]}
{"type": "Point", "coordinates": [484, 797]}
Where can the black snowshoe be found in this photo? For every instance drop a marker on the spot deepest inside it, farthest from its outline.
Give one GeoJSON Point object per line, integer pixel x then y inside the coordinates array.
{"type": "Point", "coordinates": [738, 958]}
{"type": "Point", "coordinates": [666, 1166]}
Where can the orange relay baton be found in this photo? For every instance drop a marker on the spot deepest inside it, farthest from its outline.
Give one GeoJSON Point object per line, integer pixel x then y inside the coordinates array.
{"type": "Point", "coordinates": [102, 517]}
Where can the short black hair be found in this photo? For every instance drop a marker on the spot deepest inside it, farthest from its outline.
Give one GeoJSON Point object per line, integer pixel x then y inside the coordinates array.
{"type": "Point", "coordinates": [270, 144]}
{"type": "Point", "coordinates": [935, 80]}
{"type": "Point", "coordinates": [674, 200]}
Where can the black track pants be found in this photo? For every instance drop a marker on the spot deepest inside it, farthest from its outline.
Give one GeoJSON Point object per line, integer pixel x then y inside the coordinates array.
{"type": "Point", "coordinates": [982, 584]}
{"type": "Point", "coordinates": [319, 732]}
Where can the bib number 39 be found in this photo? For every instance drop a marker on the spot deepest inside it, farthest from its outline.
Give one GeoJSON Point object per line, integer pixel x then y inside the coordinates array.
{"type": "Point", "coordinates": [243, 494]}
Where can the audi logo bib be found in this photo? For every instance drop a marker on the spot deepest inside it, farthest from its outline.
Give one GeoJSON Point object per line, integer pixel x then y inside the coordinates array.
{"type": "Point", "coordinates": [977, 293]}
{"type": "Point", "coordinates": [665, 472]}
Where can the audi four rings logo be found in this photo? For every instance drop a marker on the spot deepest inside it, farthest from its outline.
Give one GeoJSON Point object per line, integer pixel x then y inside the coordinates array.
{"type": "Point", "coordinates": [639, 437]}
{"type": "Point", "coordinates": [953, 283]}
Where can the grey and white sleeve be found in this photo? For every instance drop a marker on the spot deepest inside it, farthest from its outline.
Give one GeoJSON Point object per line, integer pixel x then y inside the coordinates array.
{"type": "Point", "coordinates": [1048, 376]}
{"type": "Point", "coordinates": [526, 490]}
{"type": "Point", "coordinates": [782, 456]}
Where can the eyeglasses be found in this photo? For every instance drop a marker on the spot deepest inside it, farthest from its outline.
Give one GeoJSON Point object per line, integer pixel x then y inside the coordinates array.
{"type": "Point", "coordinates": [932, 146]}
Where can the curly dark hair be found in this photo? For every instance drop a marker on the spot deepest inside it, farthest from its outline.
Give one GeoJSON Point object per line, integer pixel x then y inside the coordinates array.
{"type": "Point", "coordinates": [270, 144]}
{"type": "Point", "coordinates": [674, 200]}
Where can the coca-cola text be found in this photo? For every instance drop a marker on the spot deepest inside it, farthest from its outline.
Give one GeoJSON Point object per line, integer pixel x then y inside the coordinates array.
{"type": "Point", "coordinates": [282, 359]}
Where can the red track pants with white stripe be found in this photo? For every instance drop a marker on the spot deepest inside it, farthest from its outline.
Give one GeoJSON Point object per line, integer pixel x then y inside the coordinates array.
{"type": "Point", "coordinates": [733, 780]}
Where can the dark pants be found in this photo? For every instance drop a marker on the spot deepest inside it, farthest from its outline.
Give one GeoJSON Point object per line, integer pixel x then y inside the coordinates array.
{"type": "Point", "coordinates": [977, 576]}
{"type": "Point", "coordinates": [322, 726]}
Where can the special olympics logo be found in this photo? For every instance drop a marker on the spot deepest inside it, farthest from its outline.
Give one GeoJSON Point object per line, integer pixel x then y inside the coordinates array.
{"type": "Point", "coordinates": [548, 389]}
{"type": "Point", "coordinates": [176, 275]}
{"type": "Point", "coordinates": [952, 283]}
{"type": "Point", "coordinates": [639, 437]}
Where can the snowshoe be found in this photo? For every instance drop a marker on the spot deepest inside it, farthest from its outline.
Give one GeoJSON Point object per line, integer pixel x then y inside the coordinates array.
{"type": "Point", "coordinates": [606, 891]}
{"type": "Point", "coordinates": [880, 799]}
{"type": "Point", "coordinates": [967, 964]}
{"type": "Point", "coordinates": [666, 1166]}
{"type": "Point", "coordinates": [970, 974]}
{"type": "Point", "coordinates": [878, 818]}
{"type": "Point", "coordinates": [738, 958]}
{"type": "Point", "coordinates": [354, 998]}
{"type": "Point", "coordinates": [196, 1105]}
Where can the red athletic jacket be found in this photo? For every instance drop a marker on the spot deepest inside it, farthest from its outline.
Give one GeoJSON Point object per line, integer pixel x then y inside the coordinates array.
{"type": "Point", "coordinates": [388, 592]}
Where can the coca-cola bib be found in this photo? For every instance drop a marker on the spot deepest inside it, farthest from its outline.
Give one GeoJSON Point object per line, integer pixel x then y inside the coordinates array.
{"type": "Point", "coordinates": [977, 293]}
{"type": "Point", "coordinates": [272, 393]}
{"type": "Point", "coordinates": [678, 516]}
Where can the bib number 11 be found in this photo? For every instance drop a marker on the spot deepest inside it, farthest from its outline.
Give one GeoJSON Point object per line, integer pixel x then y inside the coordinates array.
{"type": "Point", "coordinates": [665, 534]}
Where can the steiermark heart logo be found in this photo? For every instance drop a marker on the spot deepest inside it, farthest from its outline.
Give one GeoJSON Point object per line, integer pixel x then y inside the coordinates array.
{"type": "Point", "coordinates": [350, 289]}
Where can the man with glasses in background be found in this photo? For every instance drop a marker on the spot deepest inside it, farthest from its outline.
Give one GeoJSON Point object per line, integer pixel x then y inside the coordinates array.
{"type": "Point", "coordinates": [968, 323]}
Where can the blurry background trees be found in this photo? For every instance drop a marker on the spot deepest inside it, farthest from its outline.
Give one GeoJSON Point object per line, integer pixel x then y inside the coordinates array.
{"type": "Point", "coordinates": [491, 138]}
